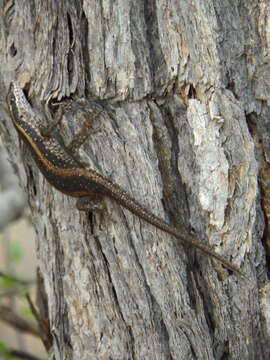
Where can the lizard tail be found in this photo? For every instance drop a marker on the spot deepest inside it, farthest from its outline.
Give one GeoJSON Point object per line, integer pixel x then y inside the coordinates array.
{"type": "Point", "coordinates": [124, 199]}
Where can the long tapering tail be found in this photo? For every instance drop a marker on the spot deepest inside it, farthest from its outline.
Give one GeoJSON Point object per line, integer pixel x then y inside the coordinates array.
{"type": "Point", "coordinates": [123, 198]}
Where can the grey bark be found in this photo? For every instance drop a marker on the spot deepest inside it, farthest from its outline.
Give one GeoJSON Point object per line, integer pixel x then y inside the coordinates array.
{"type": "Point", "coordinates": [183, 80]}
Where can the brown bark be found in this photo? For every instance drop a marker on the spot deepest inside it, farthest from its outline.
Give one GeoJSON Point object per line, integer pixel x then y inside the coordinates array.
{"type": "Point", "coordinates": [181, 80]}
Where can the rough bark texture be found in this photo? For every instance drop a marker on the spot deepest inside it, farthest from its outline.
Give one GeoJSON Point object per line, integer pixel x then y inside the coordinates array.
{"type": "Point", "coordinates": [188, 88]}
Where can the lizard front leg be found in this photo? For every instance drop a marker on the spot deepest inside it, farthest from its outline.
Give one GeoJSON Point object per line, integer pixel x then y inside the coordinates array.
{"type": "Point", "coordinates": [86, 113]}
{"type": "Point", "coordinates": [83, 134]}
{"type": "Point", "coordinates": [47, 131]}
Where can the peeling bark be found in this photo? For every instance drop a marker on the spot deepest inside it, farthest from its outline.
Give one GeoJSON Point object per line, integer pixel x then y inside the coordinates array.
{"type": "Point", "coordinates": [181, 81]}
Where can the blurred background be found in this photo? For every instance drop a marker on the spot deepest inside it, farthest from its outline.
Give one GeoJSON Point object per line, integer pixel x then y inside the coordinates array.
{"type": "Point", "coordinates": [19, 332]}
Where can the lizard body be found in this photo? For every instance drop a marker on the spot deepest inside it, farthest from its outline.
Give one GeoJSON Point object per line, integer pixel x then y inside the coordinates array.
{"type": "Point", "coordinates": [69, 176]}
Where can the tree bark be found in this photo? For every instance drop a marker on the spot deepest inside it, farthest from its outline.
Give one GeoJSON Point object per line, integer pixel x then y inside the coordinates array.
{"type": "Point", "coordinates": [186, 133]}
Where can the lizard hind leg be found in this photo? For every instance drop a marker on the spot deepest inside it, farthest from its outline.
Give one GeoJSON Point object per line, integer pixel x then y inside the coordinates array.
{"type": "Point", "coordinates": [84, 134]}
{"type": "Point", "coordinates": [91, 202]}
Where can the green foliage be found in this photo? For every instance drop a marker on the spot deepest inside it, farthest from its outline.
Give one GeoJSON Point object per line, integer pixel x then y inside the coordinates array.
{"type": "Point", "coordinates": [3, 352]}
{"type": "Point", "coordinates": [2, 348]}
{"type": "Point", "coordinates": [7, 283]}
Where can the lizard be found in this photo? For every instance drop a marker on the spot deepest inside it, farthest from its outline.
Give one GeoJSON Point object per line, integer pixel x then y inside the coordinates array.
{"type": "Point", "coordinates": [70, 176]}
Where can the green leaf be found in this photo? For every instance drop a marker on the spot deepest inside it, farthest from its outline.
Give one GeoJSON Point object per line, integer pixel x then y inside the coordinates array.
{"type": "Point", "coordinates": [7, 283]}
{"type": "Point", "coordinates": [3, 352]}
{"type": "Point", "coordinates": [3, 348]}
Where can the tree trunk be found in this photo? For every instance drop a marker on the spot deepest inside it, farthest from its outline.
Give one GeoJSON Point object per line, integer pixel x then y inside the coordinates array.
{"type": "Point", "coordinates": [186, 86]}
